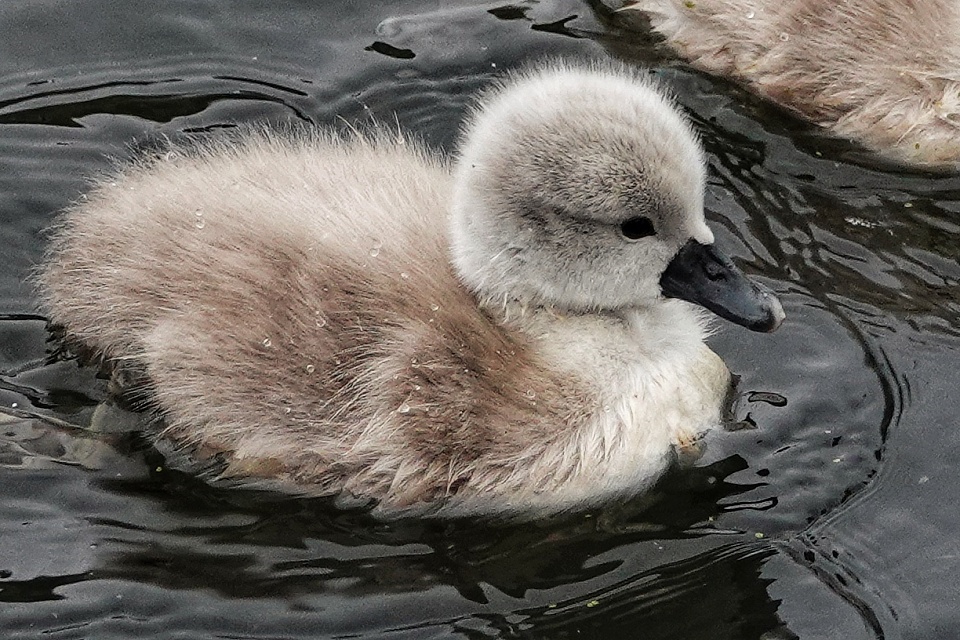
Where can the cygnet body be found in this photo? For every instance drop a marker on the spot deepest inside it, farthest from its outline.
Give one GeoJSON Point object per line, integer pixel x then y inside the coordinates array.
{"type": "Point", "coordinates": [352, 316]}
{"type": "Point", "coordinates": [885, 73]}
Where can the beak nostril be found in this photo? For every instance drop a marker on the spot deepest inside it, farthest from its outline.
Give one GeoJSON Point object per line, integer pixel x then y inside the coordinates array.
{"type": "Point", "coordinates": [715, 271]}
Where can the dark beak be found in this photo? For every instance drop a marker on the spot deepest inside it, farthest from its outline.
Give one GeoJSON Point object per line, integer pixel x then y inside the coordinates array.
{"type": "Point", "coordinates": [699, 273]}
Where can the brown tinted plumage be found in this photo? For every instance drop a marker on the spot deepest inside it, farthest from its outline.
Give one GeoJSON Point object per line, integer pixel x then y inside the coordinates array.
{"type": "Point", "coordinates": [883, 72]}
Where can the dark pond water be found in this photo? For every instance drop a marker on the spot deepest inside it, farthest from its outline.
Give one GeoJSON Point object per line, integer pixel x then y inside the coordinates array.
{"type": "Point", "coordinates": [835, 517]}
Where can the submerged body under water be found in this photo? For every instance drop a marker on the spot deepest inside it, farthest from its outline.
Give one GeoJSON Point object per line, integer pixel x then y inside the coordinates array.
{"type": "Point", "coordinates": [827, 512]}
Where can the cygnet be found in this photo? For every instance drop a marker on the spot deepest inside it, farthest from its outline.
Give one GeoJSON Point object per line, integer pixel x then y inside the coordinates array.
{"type": "Point", "coordinates": [885, 73]}
{"type": "Point", "coordinates": [353, 315]}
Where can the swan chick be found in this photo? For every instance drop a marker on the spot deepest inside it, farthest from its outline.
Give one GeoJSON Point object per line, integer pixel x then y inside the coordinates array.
{"type": "Point", "coordinates": [880, 72]}
{"type": "Point", "coordinates": [509, 333]}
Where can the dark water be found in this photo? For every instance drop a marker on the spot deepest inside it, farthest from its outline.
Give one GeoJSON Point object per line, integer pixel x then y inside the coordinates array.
{"type": "Point", "coordinates": [835, 517]}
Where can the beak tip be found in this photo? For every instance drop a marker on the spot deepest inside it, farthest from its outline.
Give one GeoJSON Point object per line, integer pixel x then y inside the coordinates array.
{"type": "Point", "coordinates": [775, 314]}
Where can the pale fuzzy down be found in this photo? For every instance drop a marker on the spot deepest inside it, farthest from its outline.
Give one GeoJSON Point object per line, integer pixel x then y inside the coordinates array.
{"type": "Point", "coordinates": [297, 306]}
{"type": "Point", "coordinates": [885, 73]}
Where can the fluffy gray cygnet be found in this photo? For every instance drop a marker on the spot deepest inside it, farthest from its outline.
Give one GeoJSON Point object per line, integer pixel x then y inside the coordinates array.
{"type": "Point", "coordinates": [885, 73]}
{"type": "Point", "coordinates": [355, 316]}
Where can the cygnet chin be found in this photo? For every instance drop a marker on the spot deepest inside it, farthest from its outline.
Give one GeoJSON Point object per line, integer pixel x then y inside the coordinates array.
{"type": "Point", "coordinates": [354, 316]}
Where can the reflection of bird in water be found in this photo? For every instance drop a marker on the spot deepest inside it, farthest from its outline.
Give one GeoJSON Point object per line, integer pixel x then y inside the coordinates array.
{"type": "Point", "coordinates": [354, 317]}
{"type": "Point", "coordinates": [883, 72]}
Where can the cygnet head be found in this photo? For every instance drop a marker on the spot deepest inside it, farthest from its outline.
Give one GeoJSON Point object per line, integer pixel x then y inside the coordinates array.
{"type": "Point", "coordinates": [581, 188]}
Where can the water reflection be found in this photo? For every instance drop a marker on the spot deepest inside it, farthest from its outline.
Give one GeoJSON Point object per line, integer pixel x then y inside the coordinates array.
{"type": "Point", "coordinates": [160, 108]}
{"type": "Point", "coordinates": [559, 578]}
{"type": "Point", "coordinates": [682, 599]}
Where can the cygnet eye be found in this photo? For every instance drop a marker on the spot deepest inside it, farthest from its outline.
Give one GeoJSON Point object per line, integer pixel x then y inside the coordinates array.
{"type": "Point", "coordinates": [636, 228]}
